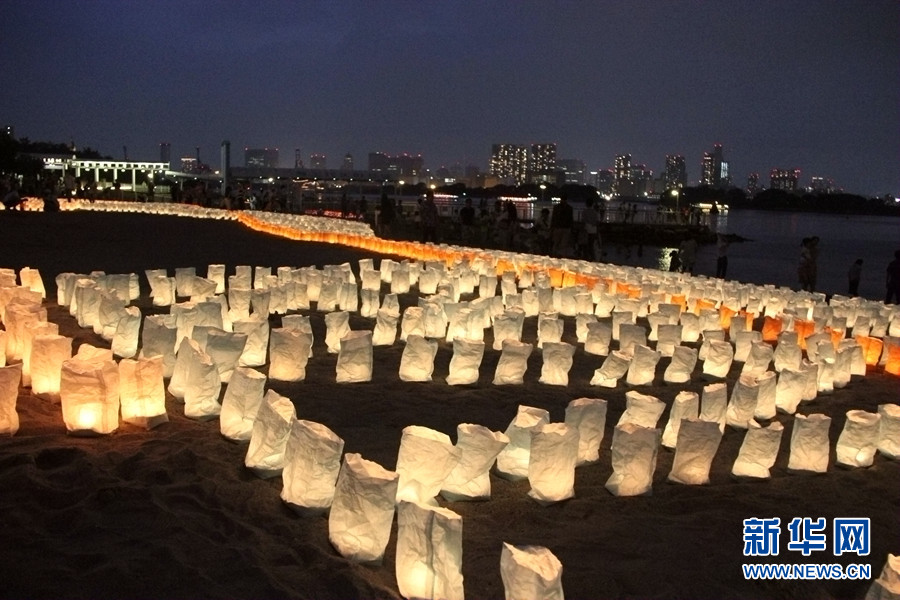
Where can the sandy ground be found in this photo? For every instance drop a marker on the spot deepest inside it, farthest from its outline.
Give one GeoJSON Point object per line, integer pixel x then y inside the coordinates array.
{"type": "Point", "coordinates": [173, 513]}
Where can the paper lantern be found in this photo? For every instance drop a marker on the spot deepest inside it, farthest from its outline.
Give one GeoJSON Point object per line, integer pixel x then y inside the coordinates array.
{"type": "Point", "coordinates": [142, 392]}
{"type": "Point", "coordinates": [371, 279]}
{"type": "Point", "coordinates": [429, 552]}
{"type": "Point", "coordinates": [809, 443]}
{"type": "Point", "coordinates": [631, 335]}
{"type": "Point", "coordinates": [695, 449]}
{"type": "Point", "coordinates": [48, 352]}
{"type": "Point", "coordinates": [758, 358]}
{"type": "Point", "coordinates": [355, 359]}
{"type": "Point", "coordinates": [789, 390]}
{"type": "Point", "coordinates": [887, 586]}
{"type": "Point", "coordinates": [550, 329]}
{"type": "Point", "coordinates": [268, 438]}
{"type": "Point", "coordinates": [634, 450]}
{"type": "Point", "coordinates": [425, 459]}
{"type": "Point", "coordinates": [588, 417]}
{"type": "Point", "coordinates": [841, 369]}
{"type": "Point", "coordinates": [508, 326]}
{"type": "Point", "coordinates": [614, 366]}
{"type": "Point", "coordinates": [417, 360]}
{"type": "Point", "coordinates": [435, 320]}
{"type": "Point", "coordinates": [466, 360]}
{"type": "Point", "coordinates": [328, 295]}
{"type": "Point", "coordinates": [858, 441]}
{"type": "Point", "coordinates": [312, 461]}
{"type": "Point", "coordinates": [742, 404]}
{"type": "Point", "coordinates": [618, 318]}
{"type": "Point", "coordinates": [766, 396]}
{"type": "Point", "coordinates": [642, 368]}
{"type": "Point", "coordinates": [29, 332]}
{"type": "Point", "coordinates": [184, 280]}
{"type": "Point", "coordinates": [669, 338]}
{"type": "Point", "coordinates": [202, 386]}
{"type": "Point", "coordinates": [158, 338]}
{"type": "Point", "coordinates": [557, 362]}
{"type": "Point", "coordinates": [16, 319]}
{"type": "Point", "coordinates": [31, 279]}
{"type": "Point", "coordinates": [127, 333]}
{"type": "Point", "coordinates": [2, 348]}
{"type": "Point", "coordinates": [513, 363]}
{"type": "Point", "coordinates": [225, 349]}
{"type": "Point", "coordinates": [889, 430]}
{"type": "Point", "coordinates": [337, 325]}
{"type": "Point", "coordinates": [681, 367]}
{"type": "Point", "coordinates": [413, 322]}
{"type": "Point", "coordinates": [598, 338]}
{"type": "Point", "coordinates": [714, 404]}
{"type": "Point", "coordinates": [758, 450]}
{"type": "Point", "coordinates": [10, 377]}
{"type": "Point", "coordinates": [685, 406]}
{"type": "Point", "coordinates": [512, 462]}
{"type": "Point", "coordinates": [872, 348]}
{"type": "Point", "coordinates": [771, 328]}
{"type": "Point", "coordinates": [241, 402]}
{"type": "Point", "coordinates": [261, 277]}
{"type": "Point", "coordinates": [385, 332]}
{"type": "Point", "coordinates": [478, 448]}
{"type": "Point", "coordinates": [185, 371]}
{"type": "Point", "coordinates": [256, 347]}
{"type": "Point", "coordinates": [288, 354]}
{"type": "Point", "coordinates": [690, 327]}
{"type": "Point", "coordinates": [530, 572]}
{"type": "Point", "coordinates": [89, 393]}
{"type": "Point", "coordinates": [359, 522]}
{"type": "Point", "coordinates": [810, 389]}
{"type": "Point", "coordinates": [718, 359]}
{"type": "Point", "coordinates": [641, 409]}
{"type": "Point", "coordinates": [261, 302]}
{"type": "Point", "coordinates": [551, 466]}
{"type": "Point", "coordinates": [369, 303]}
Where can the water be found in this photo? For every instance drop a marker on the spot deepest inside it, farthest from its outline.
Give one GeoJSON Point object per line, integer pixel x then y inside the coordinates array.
{"type": "Point", "coordinates": [773, 254]}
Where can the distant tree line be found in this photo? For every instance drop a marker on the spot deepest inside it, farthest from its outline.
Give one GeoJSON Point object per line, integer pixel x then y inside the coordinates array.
{"type": "Point", "coordinates": [781, 200]}
{"type": "Point", "coordinates": [17, 155]}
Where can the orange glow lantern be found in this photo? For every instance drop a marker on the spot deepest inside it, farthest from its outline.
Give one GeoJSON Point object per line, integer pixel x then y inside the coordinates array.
{"type": "Point", "coordinates": [771, 328]}
{"type": "Point", "coordinates": [872, 348]}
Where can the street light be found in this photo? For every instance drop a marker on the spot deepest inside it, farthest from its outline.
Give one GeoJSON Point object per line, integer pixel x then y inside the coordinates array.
{"type": "Point", "coordinates": [677, 193]}
{"type": "Point", "coordinates": [543, 193]}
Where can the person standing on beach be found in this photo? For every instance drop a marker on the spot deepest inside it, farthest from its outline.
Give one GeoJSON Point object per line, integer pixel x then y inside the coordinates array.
{"type": "Point", "coordinates": [893, 280]}
{"type": "Point", "coordinates": [853, 276]}
{"type": "Point", "coordinates": [722, 243]}
{"type": "Point", "coordinates": [803, 267]}
{"type": "Point", "coordinates": [688, 253]}
{"type": "Point", "coordinates": [561, 222]}
{"type": "Point", "coordinates": [386, 216]}
{"type": "Point", "coordinates": [589, 219]}
{"type": "Point", "coordinates": [429, 216]}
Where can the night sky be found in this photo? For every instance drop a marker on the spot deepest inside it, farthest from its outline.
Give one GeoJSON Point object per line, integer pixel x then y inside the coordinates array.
{"type": "Point", "coordinates": [808, 84]}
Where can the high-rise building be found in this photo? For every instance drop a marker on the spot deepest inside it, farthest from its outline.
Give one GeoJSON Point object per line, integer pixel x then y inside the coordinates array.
{"type": "Point", "coordinates": [317, 161]}
{"type": "Point", "coordinates": [572, 169]}
{"type": "Point", "coordinates": [165, 153]}
{"type": "Point", "coordinates": [714, 169]}
{"type": "Point", "coordinates": [605, 182]}
{"type": "Point", "coordinates": [542, 160]}
{"type": "Point", "coordinates": [752, 183]}
{"type": "Point", "coordinates": [261, 158]}
{"type": "Point", "coordinates": [403, 165]}
{"type": "Point", "coordinates": [822, 185]}
{"type": "Point", "coordinates": [622, 174]}
{"type": "Point", "coordinates": [509, 162]}
{"type": "Point", "coordinates": [676, 172]}
{"type": "Point", "coordinates": [641, 179]}
{"type": "Point", "coordinates": [784, 179]}
{"type": "Point", "coordinates": [190, 164]}
{"type": "Point", "coordinates": [347, 165]}
{"type": "Point", "coordinates": [298, 158]}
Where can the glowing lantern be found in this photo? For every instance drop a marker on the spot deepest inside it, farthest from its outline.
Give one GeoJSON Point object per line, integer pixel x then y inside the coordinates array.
{"type": "Point", "coordinates": [158, 338]}
{"type": "Point", "coordinates": [642, 368]}
{"type": "Point", "coordinates": [598, 338]}
{"type": "Point", "coordinates": [690, 327]}
{"type": "Point", "coordinates": [417, 360]}
{"type": "Point", "coordinates": [787, 355]}
{"type": "Point", "coordinates": [328, 295]}
{"type": "Point", "coordinates": [742, 404]}
{"type": "Point", "coordinates": [288, 354]}
{"type": "Point", "coordinates": [261, 302]}
{"type": "Point", "coordinates": [695, 449]}
{"type": "Point", "coordinates": [614, 366]}
{"type": "Point", "coordinates": [16, 319]}
{"type": "Point", "coordinates": [684, 359]}
{"type": "Point", "coordinates": [435, 319]}
{"type": "Point", "coordinates": [478, 448]}
{"type": "Point", "coordinates": [743, 341]}
{"type": "Point", "coordinates": [718, 359]}
{"type": "Point", "coordinates": [10, 377]}
{"type": "Point", "coordinates": [48, 352]}
{"type": "Point", "coordinates": [618, 318]}
{"type": "Point", "coordinates": [634, 450]}
{"type": "Point", "coordinates": [369, 303]}
{"type": "Point", "coordinates": [766, 395]}
{"type": "Point", "coordinates": [809, 443]}
{"type": "Point", "coordinates": [413, 322]}
{"type": "Point", "coordinates": [195, 379]}
{"type": "Point", "coordinates": [184, 280]}
{"type": "Point", "coordinates": [641, 409]}
{"type": "Point", "coordinates": [872, 348]}
{"type": "Point", "coordinates": [425, 459]}
{"type": "Point", "coordinates": [550, 329]}
{"type": "Point", "coordinates": [371, 280]}
{"type": "Point", "coordinates": [429, 552]}
{"type": "Point", "coordinates": [239, 304]}
{"type": "Point", "coordinates": [804, 329]}
{"type": "Point", "coordinates": [355, 359]}
{"type": "Point", "coordinates": [758, 358]}
{"type": "Point", "coordinates": [513, 363]}
{"type": "Point", "coordinates": [710, 336]}
{"type": "Point", "coordinates": [487, 286]}
{"type": "Point", "coordinates": [557, 362]}
{"type": "Point", "coordinates": [268, 438]}
{"type": "Point", "coordinates": [530, 572]}
{"type": "Point", "coordinates": [400, 280]}
{"type": "Point", "coordinates": [887, 586]}
{"type": "Point", "coordinates": [891, 358]}
{"type": "Point", "coordinates": [89, 393]}
{"type": "Point", "coordinates": [466, 360]}
{"type": "Point", "coordinates": [30, 331]}
{"type": "Point", "coordinates": [241, 402]}
{"type": "Point", "coordinates": [758, 450]}
{"type": "Point", "coordinates": [858, 441]}
{"type": "Point", "coordinates": [686, 406]}
{"type": "Point", "coordinates": [551, 466]}
{"type": "Point", "coordinates": [512, 462]}
{"type": "Point", "coordinates": [337, 325]}
{"type": "Point", "coordinates": [508, 326]}
{"type": "Point", "coordinates": [669, 337]}
{"type": "Point", "coordinates": [31, 279]}
{"type": "Point", "coordinates": [225, 349]}
{"type": "Point", "coordinates": [714, 404]}
{"type": "Point", "coordinates": [385, 332]}
{"type": "Point", "coordinates": [257, 331]}
{"type": "Point", "coordinates": [142, 392]}
{"type": "Point", "coordinates": [260, 277]}
{"type": "Point", "coordinates": [588, 417]}
{"type": "Point", "coordinates": [312, 461]}
{"type": "Point", "coordinates": [216, 273]}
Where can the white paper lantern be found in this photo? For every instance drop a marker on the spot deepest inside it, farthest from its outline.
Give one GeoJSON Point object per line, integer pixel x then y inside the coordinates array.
{"type": "Point", "coordinates": [759, 357]}
{"type": "Point", "coordinates": [758, 450]}
{"type": "Point", "coordinates": [642, 368]}
{"type": "Point", "coordinates": [355, 359]}
{"type": "Point", "coordinates": [417, 360]}
{"type": "Point", "coordinates": [685, 406]}
{"type": "Point", "coordinates": [709, 336]}
{"type": "Point", "coordinates": [634, 450]}
{"type": "Point", "coordinates": [742, 404]}
{"type": "Point", "coordinates": [425, 459]}
{"type": "Point", "coordinates": [811, 388]}
{"type": "Point", "coordinates": [256, 347]}
{"type": "Point", "coordinates": [10, 377]}
{"type": "Point", "coordinates": [631, 335]}
{"type": "Point", "coordinates": [434, 319]}
{"type": "Point", "coordinates": [328, 295]}
{"type": "Point", "coordinates": [842, 369]}
{"type": "Point", "coordinates": [429, 552]}
{"type": "Point", "coordinates": [466, 360]}
{"type": "Point", "coordinates": [787, 355]}
{"type": "Point", "coordinates": [887, 586]}
{"type": "Point", "coordinates": [695, 449]}
{"type": "Point", "coordinates": [513, 363]}
{"type": "Point", "coordinates": [184, 280]}
{"type": "Point", "coordinates": [265, 454]}
{"type": "Point", "coordinates": [642, 409]}
{"type": "Point", "coordinates": [588, 417]}
{"type": "Point", "coordinates": [413, 322]}
{"type": "Point", "coordinates": [809, 443]}
{"type": "Point", "coordinates": [789, 390]}
{"type": "Point", "coordinates": [16, 319]}
{"type": "Point", "coordinates": [530, 572]}
{"type": "Point", "coordinates": [551, 466]}
{"type": "Point", "coordinates": [718, 359]}
{"type": "Point", "coordinates": [743, 342]}
{"type": "Point", "coordinates": [681, 367]}
{"type": "Point", "coordinates": [714, 404]}
{"type": "Point", "coordinates": [359, 522]}
{"type": "Point", "coordinates": [48, 352]}
{"type": "Point", "coordinates": [30, 331]}
{"type": "Point", "coordinates": [216, 273]}
{"type": "Point", "coordinates": [225, 349]}
{"type": "Point", "coordinates": [508, 326]}
{"type": "Point", "coordinates": [369, 303]}
{"type": "Point", "coordinates": [312, 461]}
{"type": "Point", "coordinates": [557, 363]}
{"type": "Point", "coordinates": [142, 392]}
{"type": "Point", "coordinates": [858, 441]}
{"type": "Point", "coordinates": [385, 332]}
{"type": "Point", "coordinates": [669, 338]}
{"type": "Point", "coordinates": [614, 366]}
{"type": "Point", "coordinates": [512, 462]}
{"type": "Point", "coordinates": [599, 335]}
{"type": "Point", "coordinates": [89, 393]}
{"type": "Point", "coordinates": [478, 448]}
{"type": "Point", "coordinates": [31, 279]}
{"type": "Point", "coordinates": [288, 354]}
{"type": "Point", "coordinates": [241, 402]}
{"type": "Point", "coordinates": [889, 430]}
{"type": "Point", "coordinates": [261, 302]}
{"type": "Point", "coordinates": [550, 329]}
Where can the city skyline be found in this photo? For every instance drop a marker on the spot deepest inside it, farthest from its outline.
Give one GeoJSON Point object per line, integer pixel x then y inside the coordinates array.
{"type": "Point", "coordinates": [813, 85]}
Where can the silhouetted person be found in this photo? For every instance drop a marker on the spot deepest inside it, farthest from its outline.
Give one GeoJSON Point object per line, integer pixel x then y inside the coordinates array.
{"type": "Point", "coordinates": [893, 279]}
{"type": "Point", "coordinates": [853, 276]}
{"type": "Point", "coordinates": [12, 200]}
{"type": "Point", "coordinates": [429, 216]}
{"type": "Point", "coordinates": [386, 216]}
{"type": "Point", "coordinates": [722, 243]}
{"type": "Point", "coordinates": [590, 219]}
{"type": "Point", "coordinates": [467, 220]}
{"type": "Point", "coordinates": [561, 224]}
